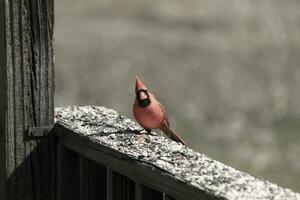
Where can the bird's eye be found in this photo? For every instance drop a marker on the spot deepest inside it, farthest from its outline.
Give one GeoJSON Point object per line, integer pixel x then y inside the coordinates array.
{"type": "Point", "coordinates": [143, 95]}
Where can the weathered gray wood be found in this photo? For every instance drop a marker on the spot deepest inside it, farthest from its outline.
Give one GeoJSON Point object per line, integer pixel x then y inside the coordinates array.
{"type": "Point", "coordinates": [68, 181]}
{"type": "Point", "coordinates": [157, 162]}
{"type": "Point", "coordinates": [27, 168]}
{"type": "Point", "coordinates": [93, 180]}
{"type": "Point", "coordinates": [3, 101]}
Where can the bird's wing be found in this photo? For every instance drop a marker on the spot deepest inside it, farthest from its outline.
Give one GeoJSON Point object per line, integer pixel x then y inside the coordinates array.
{"type": "Point", "coordinates": [164, 113]}
{"type": "Point", "coordinates": [170, 133]}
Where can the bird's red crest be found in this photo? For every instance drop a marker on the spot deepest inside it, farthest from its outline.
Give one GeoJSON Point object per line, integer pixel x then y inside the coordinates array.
{"type": "Point", "coordinates": [139, 85]}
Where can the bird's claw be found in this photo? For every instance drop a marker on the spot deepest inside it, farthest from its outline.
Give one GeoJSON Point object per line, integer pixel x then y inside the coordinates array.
{"type": "Point", "coordinates": [149, 132]}
{"type": "Point", "coordinates": [139, 132]}
{"type": "Point", "coordinates": [144, 131]}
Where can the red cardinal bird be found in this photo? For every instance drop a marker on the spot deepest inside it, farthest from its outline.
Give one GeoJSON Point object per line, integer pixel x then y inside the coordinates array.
{"type": "Point", "coordinates": [150, 114]}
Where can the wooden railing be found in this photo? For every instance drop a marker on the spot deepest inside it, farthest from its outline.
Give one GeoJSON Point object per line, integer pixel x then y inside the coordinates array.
{"type": "Point", "coordinates": [101, 155]}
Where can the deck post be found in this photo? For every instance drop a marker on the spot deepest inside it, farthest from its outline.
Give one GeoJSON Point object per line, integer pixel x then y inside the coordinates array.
{"type": "Point", "coordinates": [27, 166]}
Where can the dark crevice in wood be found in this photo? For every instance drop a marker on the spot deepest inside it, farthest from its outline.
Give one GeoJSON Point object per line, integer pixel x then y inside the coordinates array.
{"type": "Point", "coordinates": [33, 101]}
{"type": "Point", "coordinates": [22, 34]}
{"type": "Point", "coordinates": [34, 64]}
{"type": "Point", "coordinates": [13, 48]}
{"type": "Point", "coordinates": [39, 33]}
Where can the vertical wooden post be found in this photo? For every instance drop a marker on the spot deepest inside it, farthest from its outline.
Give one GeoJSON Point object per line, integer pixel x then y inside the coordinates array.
{"type": "Point", "coordinates": [93, 180]}
{"type": "Point", "coordinates": [119, 187]}
{"type": "Point", "coordinates": [84, 178]}
{"type": "Point", "coordinates": [110, 184]}
{"type": "Point", "coordinates": [138, 192]}
{"type": "Point", "coordinates": [27, 167]}
{"type": "Point", "coordinates": [68, 181]}
{"type": "Point", "coordinates": [123, 187]}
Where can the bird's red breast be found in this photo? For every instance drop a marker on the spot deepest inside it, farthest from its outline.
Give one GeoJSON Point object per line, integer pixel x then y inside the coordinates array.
{"type": "Point", "coordinates": [151, 116]}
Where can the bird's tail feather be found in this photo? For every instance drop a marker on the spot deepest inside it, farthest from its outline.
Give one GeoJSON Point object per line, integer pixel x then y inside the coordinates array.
{"type": "Point", "coordinates": [173, 135]}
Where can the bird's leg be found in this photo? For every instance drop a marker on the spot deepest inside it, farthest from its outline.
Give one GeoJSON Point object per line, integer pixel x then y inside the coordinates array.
{"type": "Point", "coordinates": [161, 133]}
{"type": "Point", "coordinates": [141, 136]}
{"type": "Point", "coordinates": [141, 131]}
{"type": "Point", "coordinates": [149, 132]}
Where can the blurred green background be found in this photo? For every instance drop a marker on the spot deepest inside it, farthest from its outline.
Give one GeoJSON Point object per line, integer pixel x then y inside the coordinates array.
{"type": "Point", "coordinates": [227, 71]}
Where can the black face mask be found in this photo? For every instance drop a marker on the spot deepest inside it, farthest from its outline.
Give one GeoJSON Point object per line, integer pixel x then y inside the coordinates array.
{"type": "Point", "coordinates": [143, 102]}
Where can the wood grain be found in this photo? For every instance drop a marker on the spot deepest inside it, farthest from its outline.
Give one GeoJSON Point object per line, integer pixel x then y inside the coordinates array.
{"type": "Point", "coordinates": [27, 168]}
{"type": "Point", "coordinates": [27, 88]}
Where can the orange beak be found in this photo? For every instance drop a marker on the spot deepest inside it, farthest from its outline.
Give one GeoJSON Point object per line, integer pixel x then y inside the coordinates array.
{"type": "Point", "coordinates": [139, 85]}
